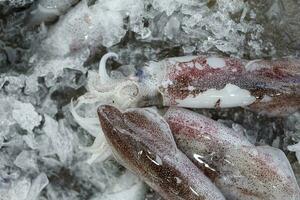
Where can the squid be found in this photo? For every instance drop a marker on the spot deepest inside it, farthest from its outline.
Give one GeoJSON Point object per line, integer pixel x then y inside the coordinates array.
{"type": "Point", "coordinates": [155, 148]}
{"type": "Point", "coordinates": [141, 140]}
{"type": "Point", "coordinates": [270, 87]}
{"type": "Point", "coordinates": [239, 169]}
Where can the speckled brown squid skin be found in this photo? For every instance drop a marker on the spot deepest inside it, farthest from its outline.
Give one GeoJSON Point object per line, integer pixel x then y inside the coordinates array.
{"type": "Point", "coordinates": [238, 168]}
{"type": "Point", "coordinates": [278, 79]}
{"type": "Point", "coordinates": [141, 140]}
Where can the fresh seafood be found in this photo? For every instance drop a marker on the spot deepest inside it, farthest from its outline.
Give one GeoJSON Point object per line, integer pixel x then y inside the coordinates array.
{"type": "Point", "coordinates": [207, 82]}
{"type": "Point", "coordinates": [142, 141]}
{"type": "Point", "coordinates": [238, 168]}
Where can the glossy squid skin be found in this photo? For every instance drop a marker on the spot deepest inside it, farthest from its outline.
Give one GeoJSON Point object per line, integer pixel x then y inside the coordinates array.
{"type": "Point", "coordinates": [141, 140]}
{"type": "Point", "coordinates": [239, 169]}
{"type": "Point", "coordinates": [266, 86]}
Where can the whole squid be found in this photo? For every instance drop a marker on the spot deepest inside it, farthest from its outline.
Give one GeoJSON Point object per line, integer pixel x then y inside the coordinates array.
{"type": "Point", "coordinates": [141, 140]}
{"type": "Point", "coordinates": [267, 86]}
{"type": "Point", "coordinates": [238, 168]}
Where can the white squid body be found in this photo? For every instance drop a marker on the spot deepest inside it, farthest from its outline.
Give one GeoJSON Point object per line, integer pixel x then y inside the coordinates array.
{"type": "Point", "coordinates": [195, 82]}
{"type": "Point", "coordinates": [239, 169]}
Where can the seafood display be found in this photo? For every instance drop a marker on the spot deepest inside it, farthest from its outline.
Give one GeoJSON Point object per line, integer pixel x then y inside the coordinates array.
{"type": "Point", "coordinates": [149, 100]}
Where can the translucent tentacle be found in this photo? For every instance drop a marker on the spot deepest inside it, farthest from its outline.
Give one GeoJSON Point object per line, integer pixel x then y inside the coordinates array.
{"type": "Point", "coordinates": [104, 77]}
{"type": "Point", "coordinates": [100, 149]}
{"type": "Point", "coordinates": [91, 125]}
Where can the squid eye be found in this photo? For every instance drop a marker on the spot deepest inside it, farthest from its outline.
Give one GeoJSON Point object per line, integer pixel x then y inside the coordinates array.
{"type": "Point", "coordinates": [129, 91]}
{"type": "Point", "coordinates": [127, 94]}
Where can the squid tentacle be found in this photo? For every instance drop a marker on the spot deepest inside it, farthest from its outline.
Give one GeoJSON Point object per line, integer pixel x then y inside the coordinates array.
{"type": "Point", "coordinates": [99, 149]}
{"type": "Point", "coordinates": [104, 77]}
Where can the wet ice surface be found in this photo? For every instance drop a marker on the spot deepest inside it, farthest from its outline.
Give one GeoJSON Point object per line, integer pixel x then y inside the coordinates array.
{"type": "Point", "coordinates": [44, 65]}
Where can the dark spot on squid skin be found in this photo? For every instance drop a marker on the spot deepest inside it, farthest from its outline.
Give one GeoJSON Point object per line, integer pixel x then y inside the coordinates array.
{"type": "Point", "coordinates": [250, 193]}
{"type": "Point", "coordinates": [218, 103]}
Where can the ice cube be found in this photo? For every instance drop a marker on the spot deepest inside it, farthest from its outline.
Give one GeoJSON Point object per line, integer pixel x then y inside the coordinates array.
{"type": "Point", "coordinates": [26, 160]}
{"type": "Point", "coordinates": [60, 137]}
{"type": "Point", "coordinates": [37, 185]}
{"type": "Point", "coordinates": [168, 6]}
{"type": "Point", "coordinates": [19, 190]}
{"type": "Point", "coordinates": [26, 116]}
{"type": "Point", "coordinates": [127, 187]}
{"type": "Point", "coordinates": [172, 28]}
